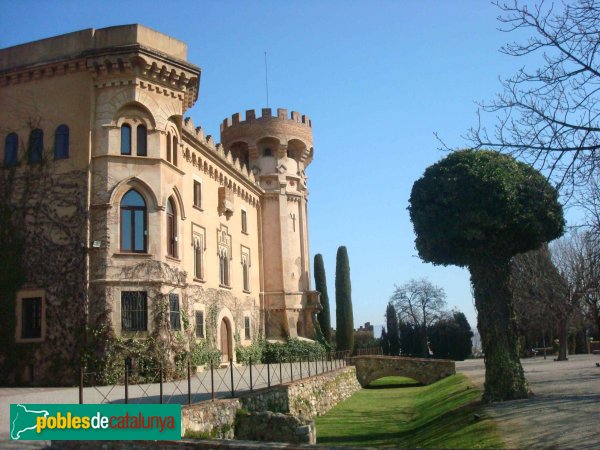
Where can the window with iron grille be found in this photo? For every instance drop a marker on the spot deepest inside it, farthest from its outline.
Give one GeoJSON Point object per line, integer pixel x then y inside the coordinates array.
{"type": "Point", "coordinates": [200, 324]}
{"type": "Point", "coordinates": [134, 311]}
{"type": "Point", "coordinates": [247, 327]}
{"type": "Point", "coordinates": [31, 318]}
{"type": "Point", "coordinates": [175, 314]}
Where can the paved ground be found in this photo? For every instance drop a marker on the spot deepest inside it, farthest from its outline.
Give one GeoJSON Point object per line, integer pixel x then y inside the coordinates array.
{"type": "Point", "coordinates": [564, 411]}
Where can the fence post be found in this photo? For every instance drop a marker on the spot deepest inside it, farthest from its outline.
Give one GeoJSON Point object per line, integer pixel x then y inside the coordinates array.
{"type": "Point", "coordinates": [268, 374]}
{"type": "Point", "coordinates": [308, 365]}
{"type": "Point", "coordinates": [291, 371]}
{"type": "Point", "coordinates": [189, 380]}
{"type": "Point", "coordinates": [250, 374]}
{"type": "Point", "coordinates": [160, 374]}
{"type": "Point", "coordinates": [80, 384]}
{"type": "Point", "coordinates": [231, 373]}
{"type": "Point", "coordinates": [212, 382]}
{"type": "Point", "coordinates": [323, 364]}
{"type": "Point", "coordinates": [280, 373]}
{"type": "Point", "coordinates": [126, 382]}
{"type": "Point", "coordinates": [300, 367]}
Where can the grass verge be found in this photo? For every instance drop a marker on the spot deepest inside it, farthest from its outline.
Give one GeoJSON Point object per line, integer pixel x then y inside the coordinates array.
{"type": "Point", "coordinates": [396, 412]}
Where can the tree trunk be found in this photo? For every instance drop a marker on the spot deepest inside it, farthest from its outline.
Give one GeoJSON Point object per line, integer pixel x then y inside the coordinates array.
{"type": "Point", "coordinates": [563, 339]}
{"type": "Point", "coordinates": [504, 378]}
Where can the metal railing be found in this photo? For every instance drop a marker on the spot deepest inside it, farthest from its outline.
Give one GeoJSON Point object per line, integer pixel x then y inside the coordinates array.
{"type": "Point", "coordinates": [225, 381]}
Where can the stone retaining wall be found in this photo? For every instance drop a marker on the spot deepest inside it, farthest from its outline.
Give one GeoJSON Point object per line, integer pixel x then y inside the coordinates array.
{"type": "Point", "coordinates": [309, 397]}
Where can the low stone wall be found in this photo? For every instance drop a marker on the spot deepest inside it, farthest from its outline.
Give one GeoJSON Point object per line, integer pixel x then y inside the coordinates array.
{"type": "Point", "coordinates": [275, 427]}
{"type": "Point", "coordinates": [426, 371]}
{"type": "Point", "coordinates": [308, 398]}
{"type": "Point", "coordinates": [211, 419]}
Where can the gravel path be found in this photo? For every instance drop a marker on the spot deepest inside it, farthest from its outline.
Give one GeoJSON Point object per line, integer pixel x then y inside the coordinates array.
{"type": "Point", "coordinates": [564, 411]}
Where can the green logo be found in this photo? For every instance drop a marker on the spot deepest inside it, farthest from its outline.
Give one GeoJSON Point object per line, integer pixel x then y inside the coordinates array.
{"type": "Point", "coordinates": [95, 422]}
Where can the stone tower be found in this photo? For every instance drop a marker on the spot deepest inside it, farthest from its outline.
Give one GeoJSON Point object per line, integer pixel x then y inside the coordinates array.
{"type": "Point", "coordinates": [278, 149]}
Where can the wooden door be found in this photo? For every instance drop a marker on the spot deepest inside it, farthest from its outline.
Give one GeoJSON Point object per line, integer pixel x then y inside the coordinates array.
{"type": "Point", "coordinates": [225, 340]}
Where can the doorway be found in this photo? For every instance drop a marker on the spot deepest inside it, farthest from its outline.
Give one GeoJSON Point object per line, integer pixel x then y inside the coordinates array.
{"type": "Point", "coordinates": [226, 349]}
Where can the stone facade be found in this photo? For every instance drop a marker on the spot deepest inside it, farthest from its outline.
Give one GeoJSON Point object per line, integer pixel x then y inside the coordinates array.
{"type": "Point", "coordinates": [158, 231]}
{"type": "Point", "coordinates": [426, 371]}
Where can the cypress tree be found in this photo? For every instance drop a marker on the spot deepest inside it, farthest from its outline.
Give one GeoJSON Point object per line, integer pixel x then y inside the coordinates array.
{"type": "Point", "coordinates": [385, 344]}
{"type": "Point", "coordinates": [393, 333]}
{"type": "Point", "coordinates": [344, 336]}
{"type": "Point", "coordinates": [324, 316]}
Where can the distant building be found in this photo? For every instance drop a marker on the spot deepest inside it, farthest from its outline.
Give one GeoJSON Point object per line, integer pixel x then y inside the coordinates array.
{"type": "Point", "coordinates": [366, 328]}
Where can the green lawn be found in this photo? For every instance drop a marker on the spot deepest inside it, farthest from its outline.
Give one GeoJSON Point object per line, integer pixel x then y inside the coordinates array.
{"type": "Point", "coordinates": [395, 411]}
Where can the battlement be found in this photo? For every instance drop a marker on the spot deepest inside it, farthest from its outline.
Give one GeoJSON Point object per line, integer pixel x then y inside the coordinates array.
{"type": "Point", "coordinates": [266, 115]}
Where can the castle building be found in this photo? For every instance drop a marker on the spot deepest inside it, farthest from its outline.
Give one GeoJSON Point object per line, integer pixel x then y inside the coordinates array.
{"type": "Point", "coordinates": [122, 220]}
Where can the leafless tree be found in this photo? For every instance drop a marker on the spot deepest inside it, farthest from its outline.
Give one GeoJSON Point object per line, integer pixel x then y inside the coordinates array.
{"type": "Point", "coordinates": [577, 258]}
{"type": "Point", "coordinates": [419, 302]}
{"type": "Point", "coordinates": [549, 116]}
{"type": "Point", "coordinates": [538, 292]}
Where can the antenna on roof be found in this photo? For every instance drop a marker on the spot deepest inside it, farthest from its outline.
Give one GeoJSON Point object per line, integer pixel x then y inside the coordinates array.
{"type": "Point", "coordinates": [266, 79]}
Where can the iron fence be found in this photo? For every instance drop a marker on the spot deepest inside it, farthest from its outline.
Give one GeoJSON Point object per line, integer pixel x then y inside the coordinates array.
{"type": "Point", "coordinates": [225, 381]}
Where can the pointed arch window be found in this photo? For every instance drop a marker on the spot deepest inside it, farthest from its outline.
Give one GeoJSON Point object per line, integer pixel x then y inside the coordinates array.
{"type": "Point", "coordinates": [142, 140]}
{"type": "Point", "coordinates": [125, 139]}
{"type": "Point", "coordinates": [245, 274]}
{"type": "Point", "coordinates": [134, 229]}
{"type": "Point", "coordinates": [198, 263]}
{"type": "Point", "coordinates": [61, 142]}
{"type": "Point", "coordinates": [36, 146]}
{"type": "Point", "coordinates": [171, 228]}
{"type": "Point", "coordinates": [11, 149]}
{"type": "Point", "coordinates": [224, 267]}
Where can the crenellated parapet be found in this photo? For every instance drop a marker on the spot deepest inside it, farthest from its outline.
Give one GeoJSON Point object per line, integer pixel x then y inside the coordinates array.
{"type": "Point", "coordinates": [217, 149]}
{"type": "Point", "coordinates": [288, 134]}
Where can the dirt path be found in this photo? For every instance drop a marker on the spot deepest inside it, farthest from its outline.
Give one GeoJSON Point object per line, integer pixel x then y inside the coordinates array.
{"type": "Point", "coordinates": [565, 409]}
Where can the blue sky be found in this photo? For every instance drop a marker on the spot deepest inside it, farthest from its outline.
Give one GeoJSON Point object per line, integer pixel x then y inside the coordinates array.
{"type": "Point", "coordinates": [378, 78]}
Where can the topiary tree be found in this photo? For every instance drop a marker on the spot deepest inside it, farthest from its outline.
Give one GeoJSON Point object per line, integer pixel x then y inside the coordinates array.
{"type": "Point", "coordinates": [324, 316]}
{"type": "Point", "coordinates": [344, 336]}
{"type": "Point", "coordinates": [476, 209]}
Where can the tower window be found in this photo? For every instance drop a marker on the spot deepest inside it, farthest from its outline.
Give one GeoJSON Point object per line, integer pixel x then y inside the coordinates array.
{"type": "Point", "coordinates": [126, 139]}
{"type": "Point", "coordinates": [224, 268]}
{"type": "Point", "coordinates": [267, 152]}
{"type": "Point", "coordinates": [175, 145]}
{"type": "Point", "coordinates": [61, 142]}
{"type": "Point", "coordinates": [36, 146]}
{"type": "Point", "coordinates": [171, 228]}
{"type": "Point", "coordinates": [244, 222]}
{"type": "Point", "coordinates": [197, 194]}
{"type": "Point", "coordinates": [11, 149]}
{"type": "Point", "coordinates": [133, 223]}
{"type": "Point", "coordinates": [169, 147]}
{"type": "Point", "coordinates": [142, 140]}
{"type": "Point", "coordinates": [246, 275]}
{"type": "Point", "coordinates": [198, 263]}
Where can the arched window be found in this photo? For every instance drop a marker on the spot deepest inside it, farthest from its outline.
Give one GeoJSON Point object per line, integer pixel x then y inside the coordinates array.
{"type": "Point", "coordinates": [11, 149]}
{"type": "Point", "coordinates": [36, 146]}
{"type": "Point", "coordinates": [245, 274]}
{"type": "Point", "coordinates": [169, 147]}
{"type": "Point", "coordinates": [268, 152]}
{"type": "Point", "coordinates": [198, 259]}
{"type": "Point", "coordinates": [171, 228]}
{"type": "Point", "coordinates": [61, 142]}
{"type": "Point", "coordinates": [133, 223]}
{"type": "Point", "coordinates": [125, 139]}
{"type": "Point", "coordinates": [175, 145]}
{"type": "Point", "coordinates": [224, 268]}
{"type": "Point", "coordinates": [142, 140]}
